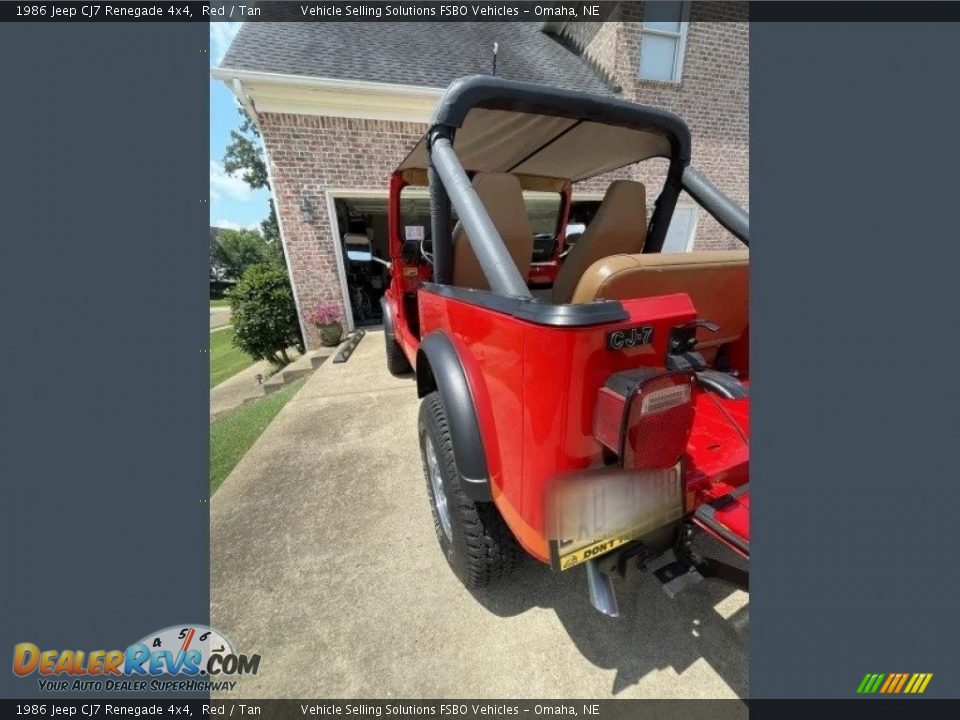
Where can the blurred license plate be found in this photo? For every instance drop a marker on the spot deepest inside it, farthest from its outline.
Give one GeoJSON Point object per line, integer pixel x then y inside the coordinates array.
{"type": "Point", "coordinates": [592, 514]}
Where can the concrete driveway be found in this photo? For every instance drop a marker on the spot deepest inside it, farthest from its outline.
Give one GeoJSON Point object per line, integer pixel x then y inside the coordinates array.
{"type": "Point", "coordinates": [324, 561]}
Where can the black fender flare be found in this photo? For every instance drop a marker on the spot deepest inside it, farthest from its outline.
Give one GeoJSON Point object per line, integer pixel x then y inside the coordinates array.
{"type": "Point", "coordinates": [387, 318]}
{"type": "Point", "coordinates": [439, 368]}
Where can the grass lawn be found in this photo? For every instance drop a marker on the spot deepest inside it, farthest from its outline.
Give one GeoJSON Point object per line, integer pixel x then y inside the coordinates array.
{"type": "Point", "coordinates": [231, 436]}
{"type": "Point", "coordinates": [222, 302]}
{"type": "Point", "coordinates": [225, 359]}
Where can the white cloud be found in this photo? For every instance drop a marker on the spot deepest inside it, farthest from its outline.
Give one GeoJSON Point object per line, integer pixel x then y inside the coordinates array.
{"type": "Point", "coordinates": [221, 35]}
{"type": "Point", "coordinates": [231, 225]}
{"type": "Point", "coordinates": [223, 184]}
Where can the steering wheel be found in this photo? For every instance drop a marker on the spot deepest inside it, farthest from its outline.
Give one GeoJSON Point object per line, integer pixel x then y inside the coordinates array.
{"type": "Point", "coordinates": [423, 251]}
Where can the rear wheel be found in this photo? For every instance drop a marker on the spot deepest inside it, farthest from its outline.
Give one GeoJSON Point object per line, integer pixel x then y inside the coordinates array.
{"type": "Point", "coordinates": [397, 362]}
{"type": "Point", "coordinates": [477, 543]}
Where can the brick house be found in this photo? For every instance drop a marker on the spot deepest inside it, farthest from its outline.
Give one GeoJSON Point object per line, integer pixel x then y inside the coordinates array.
{"type": "Point", "coordinates": [340, 104]}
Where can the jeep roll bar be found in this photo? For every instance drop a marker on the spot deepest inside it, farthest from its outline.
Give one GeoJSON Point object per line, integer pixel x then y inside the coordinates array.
{"type": "Point", "coordinates": [541, 131]}
{"type": "Point", "coordinates": [726, 212]}
{"type": "Point", "coordinates": [440, 220]}
{"type": "Point", "coordinates": [497, 265]}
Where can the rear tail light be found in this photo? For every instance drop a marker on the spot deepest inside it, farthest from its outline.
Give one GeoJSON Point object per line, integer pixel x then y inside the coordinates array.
{"type": "Point", "coordinates": [645, 416]}
{"type": "Point", "coordinates": [664, 398]}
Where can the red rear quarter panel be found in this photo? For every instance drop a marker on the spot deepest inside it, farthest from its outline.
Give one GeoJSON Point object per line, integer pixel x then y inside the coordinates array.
{"type": "Point", "coordinates": [535, 389]}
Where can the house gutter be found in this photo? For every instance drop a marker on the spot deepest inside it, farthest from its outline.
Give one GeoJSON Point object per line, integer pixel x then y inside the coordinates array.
{"type": "Point", "coordinates": [332, 97]}
{"type": "Point", "coordinates": [227, 75]}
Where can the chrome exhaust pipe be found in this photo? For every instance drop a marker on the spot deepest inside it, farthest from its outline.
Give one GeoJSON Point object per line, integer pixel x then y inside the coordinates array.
{"type": "Point", "coordinates": [600, 585]}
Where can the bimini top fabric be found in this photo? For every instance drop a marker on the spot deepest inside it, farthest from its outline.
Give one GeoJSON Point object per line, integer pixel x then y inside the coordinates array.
{"type": "Point", "coordinates": [533, 130]}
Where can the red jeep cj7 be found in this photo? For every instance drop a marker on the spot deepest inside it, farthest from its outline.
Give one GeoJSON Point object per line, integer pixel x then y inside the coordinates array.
{"type": "Point", "coordinates": [603, 420]}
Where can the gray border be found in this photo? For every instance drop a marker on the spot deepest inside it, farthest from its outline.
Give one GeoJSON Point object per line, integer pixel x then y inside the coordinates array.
{"type": "Point", "coordinates": [104, 301]}
{"type": "Point", "coordinates": [853, 198]}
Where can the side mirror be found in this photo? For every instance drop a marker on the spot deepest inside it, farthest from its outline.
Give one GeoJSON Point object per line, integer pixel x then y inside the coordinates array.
{"type": "Point", "coordinates": [358, 247]}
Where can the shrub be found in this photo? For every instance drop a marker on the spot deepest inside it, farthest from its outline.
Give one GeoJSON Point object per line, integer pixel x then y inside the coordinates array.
{"type": "Point", "coordinates": [264, 314]}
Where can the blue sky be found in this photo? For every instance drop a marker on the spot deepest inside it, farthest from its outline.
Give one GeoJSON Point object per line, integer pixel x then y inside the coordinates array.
{"type": "Point", "coordinates": [232, 203]}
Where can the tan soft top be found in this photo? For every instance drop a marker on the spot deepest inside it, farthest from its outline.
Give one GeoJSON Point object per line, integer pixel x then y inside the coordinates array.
{"type": "Point", "coordinates": [540, 131]}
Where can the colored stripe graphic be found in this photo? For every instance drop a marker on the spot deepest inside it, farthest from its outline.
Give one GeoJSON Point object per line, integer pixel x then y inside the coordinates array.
{"type": "Point", "coordinates": [870, 683]}
{"type": "Point", "coordinates": [894, 683]}
{"type": "Point", "coordinates": [890, 686]}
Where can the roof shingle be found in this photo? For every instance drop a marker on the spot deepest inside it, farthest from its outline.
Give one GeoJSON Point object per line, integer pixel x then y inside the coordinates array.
{"type": "Point", "coordinates": [410, 53]}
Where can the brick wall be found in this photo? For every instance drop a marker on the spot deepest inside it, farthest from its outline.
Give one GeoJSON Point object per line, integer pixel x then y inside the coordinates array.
{"type": "Point", "coordinates": [713, 96]}
{"type": "Point", "coordinates": [309, 155]}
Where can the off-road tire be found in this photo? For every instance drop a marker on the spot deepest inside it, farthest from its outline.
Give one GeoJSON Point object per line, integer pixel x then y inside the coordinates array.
{"type": "Point", "coordinates": [483, 548]}
{"type": "Point", "coordinates": [397, 362]}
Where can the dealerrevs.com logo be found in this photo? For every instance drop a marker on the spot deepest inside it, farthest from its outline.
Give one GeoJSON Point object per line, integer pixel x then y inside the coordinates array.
{"type": "Point", "coordinates": [179, 658]}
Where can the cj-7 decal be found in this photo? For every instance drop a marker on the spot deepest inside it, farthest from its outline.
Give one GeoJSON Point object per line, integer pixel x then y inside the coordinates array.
{"type": "Point", "coordinates": [629, 337]}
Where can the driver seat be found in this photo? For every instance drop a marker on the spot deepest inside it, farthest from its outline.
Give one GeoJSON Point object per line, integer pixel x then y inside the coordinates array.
{"type": "Point", "coordinates": [618, 228]}
{"type": "Point", "coordinates": [502, 196]}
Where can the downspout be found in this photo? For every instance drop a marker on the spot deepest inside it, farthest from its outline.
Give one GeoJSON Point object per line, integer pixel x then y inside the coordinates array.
{"type": "Point", "coordinates": [247, 104]}
{"type": "Point", "coordinates": [245, 101]}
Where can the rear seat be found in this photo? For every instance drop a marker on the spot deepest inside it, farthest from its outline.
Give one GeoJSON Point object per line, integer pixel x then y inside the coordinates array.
{"type": "Point", "coordinates": [717, 283]}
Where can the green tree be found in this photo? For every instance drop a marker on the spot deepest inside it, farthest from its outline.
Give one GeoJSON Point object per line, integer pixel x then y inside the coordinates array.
{"type": "Point", "coordinates": [244, 154]}
{"type": "Point", "coordinates": [264, 314]}
{"type": "Point", "coordinates": [236, 250]}
{"type": "Point", "coordinates": [270, 231]}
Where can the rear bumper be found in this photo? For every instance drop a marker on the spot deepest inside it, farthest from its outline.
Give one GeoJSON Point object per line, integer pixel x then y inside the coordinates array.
{"type": "Point", "coordinates": [727, 519]}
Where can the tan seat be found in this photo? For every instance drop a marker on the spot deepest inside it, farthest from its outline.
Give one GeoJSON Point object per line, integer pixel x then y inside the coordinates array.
{"type": "Point", "coordinates": [717, 283]}
{"type": "Point", "coordinates": [620, 226]}
{"type": "Point", "coordinates": [501, 195]}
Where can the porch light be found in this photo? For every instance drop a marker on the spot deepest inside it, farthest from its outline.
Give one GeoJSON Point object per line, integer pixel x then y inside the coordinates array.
{"type": "Point", "coordinates": [306, 210]}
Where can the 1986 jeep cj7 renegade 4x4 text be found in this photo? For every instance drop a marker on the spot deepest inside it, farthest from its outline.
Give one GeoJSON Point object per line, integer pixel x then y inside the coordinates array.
{"type": "Point", "coordinates": [607, 421]}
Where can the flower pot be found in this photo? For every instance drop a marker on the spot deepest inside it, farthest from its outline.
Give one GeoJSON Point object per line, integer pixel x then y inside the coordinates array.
{"type": "Point", "coordinates": [330, 334]}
